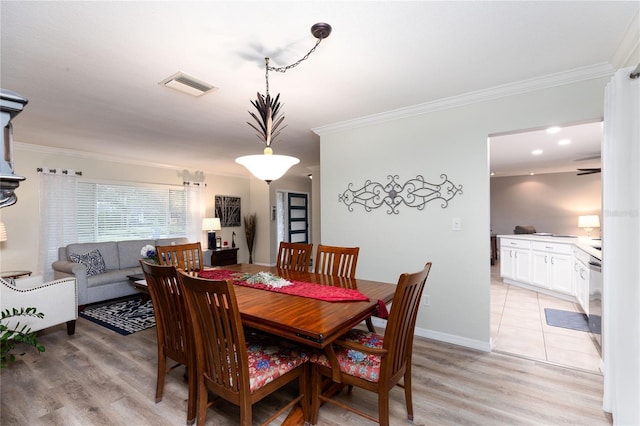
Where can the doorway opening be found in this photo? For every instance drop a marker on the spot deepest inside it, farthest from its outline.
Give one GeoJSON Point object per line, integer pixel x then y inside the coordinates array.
{"type": "Point", "coordinates": [292, 216]}
{"type": "Point", "coordinates": [546, 191]}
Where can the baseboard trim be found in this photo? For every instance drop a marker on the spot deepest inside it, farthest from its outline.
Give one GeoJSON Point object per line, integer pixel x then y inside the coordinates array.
{"type": "Point", "coordinates": [444, 337]}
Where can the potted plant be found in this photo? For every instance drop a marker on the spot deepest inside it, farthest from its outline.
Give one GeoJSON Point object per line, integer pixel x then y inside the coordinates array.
{"type": "Point", "coordinates": [11, 336]}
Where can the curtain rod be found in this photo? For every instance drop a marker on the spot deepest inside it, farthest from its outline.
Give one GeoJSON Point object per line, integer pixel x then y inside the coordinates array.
{"type": "Point", "coordinates": [635, 73]}
{"type": "Point", "coordinates": [64, 171]}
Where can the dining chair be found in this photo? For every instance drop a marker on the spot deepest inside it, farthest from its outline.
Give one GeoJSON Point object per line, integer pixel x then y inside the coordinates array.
{"type": "Point", "coordinates": [294, 256]}
{"type": "Point", "coordinates": [173, 329]}
{"type": "Point", "coordinates": [187, 257]}
{"type": "Point", "coordinates": [372, 361]}
{"type": "Point", "coordinates": [336, 261]}
{"type": "Point", "coordinates": [239, 367]}
{"type": "Point", "coordinates": [339, 262]}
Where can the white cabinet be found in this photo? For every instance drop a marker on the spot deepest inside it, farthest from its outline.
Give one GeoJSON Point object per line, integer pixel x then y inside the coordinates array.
{"type": "Point", "coordinates": [581, 278]}
{"type": "Point", "coordinates": [551, 266]}
{"type": "Point", "coordinates": [515, 259]}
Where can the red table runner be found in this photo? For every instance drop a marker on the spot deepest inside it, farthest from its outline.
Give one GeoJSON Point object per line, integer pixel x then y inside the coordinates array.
{"type": "Point", "coordinates": [297, 288]}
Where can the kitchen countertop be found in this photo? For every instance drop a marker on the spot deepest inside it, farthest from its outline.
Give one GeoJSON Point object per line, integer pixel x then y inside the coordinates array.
{"type": "Point", "coordinates": [587, 245]}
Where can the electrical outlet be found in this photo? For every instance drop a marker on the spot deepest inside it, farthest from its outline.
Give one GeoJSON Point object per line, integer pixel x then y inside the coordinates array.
{"type": "Point", "coordinates": [426, 300]}
{"type": "Point", "coordinates": [456, 224]}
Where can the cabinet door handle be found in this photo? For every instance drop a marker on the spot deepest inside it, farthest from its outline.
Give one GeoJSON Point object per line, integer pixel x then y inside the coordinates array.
{"type": "Point", "coordinates": [582, 273]}
{"type": "Point", "coordinates": [545, 259]}
{"type": "Point", "coordinates": [552, 260]}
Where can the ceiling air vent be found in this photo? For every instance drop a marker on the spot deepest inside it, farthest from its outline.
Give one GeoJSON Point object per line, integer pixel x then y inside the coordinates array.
{"type": "Point", "coordinates": [187, 84]}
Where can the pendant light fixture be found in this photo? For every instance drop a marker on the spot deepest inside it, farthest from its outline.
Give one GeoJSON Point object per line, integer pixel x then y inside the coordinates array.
{"type": "Point", "coordinates": [268, 166]}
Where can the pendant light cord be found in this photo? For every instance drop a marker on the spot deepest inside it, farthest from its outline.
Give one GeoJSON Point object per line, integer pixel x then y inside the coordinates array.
{"type": "Point", "coordinates": [287, 67]}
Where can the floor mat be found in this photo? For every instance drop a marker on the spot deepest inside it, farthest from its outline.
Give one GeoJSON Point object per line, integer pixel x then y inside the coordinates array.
{"type": "Point", "coordinates": [124, 316]}
{"type": "Point", "coordinates": [566, 319]}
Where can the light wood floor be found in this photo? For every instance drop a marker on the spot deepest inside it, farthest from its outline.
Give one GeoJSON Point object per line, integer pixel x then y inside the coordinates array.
{"type": "Point", "coordinates": [98, 377]}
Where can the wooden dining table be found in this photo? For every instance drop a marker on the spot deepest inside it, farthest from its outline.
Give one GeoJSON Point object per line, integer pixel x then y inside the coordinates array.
{"type": "Point", "coordinates": [310, 321]}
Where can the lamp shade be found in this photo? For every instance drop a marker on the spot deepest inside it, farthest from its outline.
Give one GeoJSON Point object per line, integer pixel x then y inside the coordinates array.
{"type": "Point", "coordinates": [3, 232]}
{"type": "Point", "coordinates": [267, 166]}
{"type": "Point", "coordinates": [591, 221]}
{"type": "Point", "coordinates": [211, 224]}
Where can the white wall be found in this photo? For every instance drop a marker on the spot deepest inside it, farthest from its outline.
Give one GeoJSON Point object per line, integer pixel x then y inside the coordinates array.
{"type": "Point", "coordinates": [450, 141]}
{"type": "Point", "coordinates": [550, 202]}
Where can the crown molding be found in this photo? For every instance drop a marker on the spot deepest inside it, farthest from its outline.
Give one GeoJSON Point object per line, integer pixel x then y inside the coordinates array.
{"type": "Point", "coordinates": [628, 53]}
{"type": "Point", "coordinates": [604, 69]}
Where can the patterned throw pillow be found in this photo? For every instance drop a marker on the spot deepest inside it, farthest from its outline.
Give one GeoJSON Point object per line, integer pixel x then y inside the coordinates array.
{"type": "Point", "coordinates": [92, 260]}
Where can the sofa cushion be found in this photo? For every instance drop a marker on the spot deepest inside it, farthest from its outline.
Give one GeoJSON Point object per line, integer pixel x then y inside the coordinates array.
{"type": "Point", "coordinates": [92, 260]}
{"type": "Point", "coordinates": [113, 276]}
{"type": "Point", "coordinates": [129, 252]}
{"type": "Point", "coordinates": [108, 250]}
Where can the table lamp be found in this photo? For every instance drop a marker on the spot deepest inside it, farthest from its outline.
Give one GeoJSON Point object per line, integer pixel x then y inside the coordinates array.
{"type": "Point", "coordinates": [211, 225]}
{"type": "Point", "coordinates": [588, 223]}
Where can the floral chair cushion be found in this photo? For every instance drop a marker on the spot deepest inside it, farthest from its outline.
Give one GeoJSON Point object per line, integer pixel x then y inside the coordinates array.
{"type": "Point", "coordinates": [356, 363]}
{"type": "Point", "coordinates": [270, 358]}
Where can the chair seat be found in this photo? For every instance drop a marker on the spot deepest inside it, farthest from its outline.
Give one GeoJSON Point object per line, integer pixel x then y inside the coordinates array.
{"type": "Point", "coordinates": [270, 358]}
{"type": "Point", "coordinates": [353, 362]}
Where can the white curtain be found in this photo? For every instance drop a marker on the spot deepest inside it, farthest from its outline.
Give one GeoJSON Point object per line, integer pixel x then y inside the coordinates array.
{"type": "Point", "coordinates": [195, 193]}
{"type": "Point", "coordinates": [621, 248]}
{"type": "Point", "coordinates": [58, 217]}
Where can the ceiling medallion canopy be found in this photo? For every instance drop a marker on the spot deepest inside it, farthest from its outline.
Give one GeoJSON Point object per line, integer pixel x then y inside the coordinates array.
{"type": "Point", "coordinates": [268, 121]}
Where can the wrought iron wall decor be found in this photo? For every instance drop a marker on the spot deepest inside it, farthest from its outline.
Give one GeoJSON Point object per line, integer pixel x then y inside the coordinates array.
{"type": "Point", "coordinates": [413, 193]}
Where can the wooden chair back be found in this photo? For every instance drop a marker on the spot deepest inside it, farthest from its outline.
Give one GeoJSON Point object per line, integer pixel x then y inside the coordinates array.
{"type": "Point", "coordinates": [294, 256]}
{"type": "Point", "coordinates": [336, 261]}
{"type": "Point", "coordinates": [187, 257]}
{"type": "Point", "coordinates": [398, 335]}
{"type": "Point", "coordinates": [222, 365]}
{"type": "Point", "coordinates": [173, 328]}
{"type": "Point", "coordinates": [395, 353]}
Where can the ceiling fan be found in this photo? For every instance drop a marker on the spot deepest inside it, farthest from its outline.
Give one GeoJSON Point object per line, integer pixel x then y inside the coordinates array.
{"type": "Point", "coordinates": [590, 170]}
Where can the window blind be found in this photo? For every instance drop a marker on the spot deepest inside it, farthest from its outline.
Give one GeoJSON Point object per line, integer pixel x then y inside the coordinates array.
{"type": "Point", "coordinates": [116, 212]}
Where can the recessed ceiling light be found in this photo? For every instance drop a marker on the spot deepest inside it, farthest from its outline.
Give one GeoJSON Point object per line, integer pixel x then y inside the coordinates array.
{"type": "Point", "coordinates": [553, 130]}
{"type": "Point", "coordinates": [536, 152]}
{"type": "Point", "coordinates": [564, 141]}
{"type": "Point", "coordinates": [531, 174]}
{"type": "Point", "coordinates": [493, 173]}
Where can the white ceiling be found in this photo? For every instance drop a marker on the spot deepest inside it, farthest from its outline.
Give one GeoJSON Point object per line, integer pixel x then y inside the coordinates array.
{"type": "Point", "coordinates": [91, 69]}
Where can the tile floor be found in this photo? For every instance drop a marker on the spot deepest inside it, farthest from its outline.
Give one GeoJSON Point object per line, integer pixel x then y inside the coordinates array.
{"type": "Point", "coordinates": [518, 326]}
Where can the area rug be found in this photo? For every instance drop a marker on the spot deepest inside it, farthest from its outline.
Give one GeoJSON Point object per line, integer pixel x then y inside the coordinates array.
{"type": "Point", "coordinates": [566, 319]}
{"type": "Point", "coordinates": [123, 316]}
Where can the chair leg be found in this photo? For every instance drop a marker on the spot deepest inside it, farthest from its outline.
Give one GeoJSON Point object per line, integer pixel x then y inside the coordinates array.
{"type": "Point", "coordinates": [71, 327]}
{"type": "Point", "coordinates": [383, 407]}
{"type": "Point", "coordinates": [304, 384]}
{"type": "Point", "coordinates": [203, 399]}
{"type": "Point", "coordinates": [192, 398]}
{"type": "Point", "coordinates": [162, 371]}
{"type": "Point", "coordinates": [407, 393]}
{"type": "Point", "coordinates": [316, 383]}
{"type": "Point", "coordinates": [370, 325]}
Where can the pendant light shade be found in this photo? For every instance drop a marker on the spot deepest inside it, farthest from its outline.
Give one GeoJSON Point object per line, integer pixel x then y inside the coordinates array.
{"type": "Point", "coordinates": [267, 166]}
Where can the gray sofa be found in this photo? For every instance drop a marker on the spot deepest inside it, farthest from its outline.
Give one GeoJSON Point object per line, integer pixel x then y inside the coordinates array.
{"type": "Point", "coordinates": [121, 259]}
